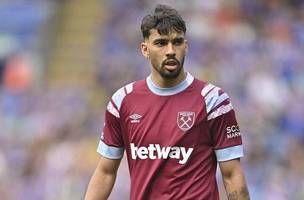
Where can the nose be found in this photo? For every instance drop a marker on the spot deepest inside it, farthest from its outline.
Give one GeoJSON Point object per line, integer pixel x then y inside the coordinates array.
{"type": "Point", "coordinates": [170, 51]}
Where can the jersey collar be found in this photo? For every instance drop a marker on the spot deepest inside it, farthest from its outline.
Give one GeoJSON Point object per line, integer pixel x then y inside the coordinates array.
{"type": "Point", "coordinates": [172, 90]}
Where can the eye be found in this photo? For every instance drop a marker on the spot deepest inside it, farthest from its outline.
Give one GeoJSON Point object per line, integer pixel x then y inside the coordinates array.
{"type": "Point", "coordinates": [160, 43]}
{"type": "Point", "coordinates": [178, 41]}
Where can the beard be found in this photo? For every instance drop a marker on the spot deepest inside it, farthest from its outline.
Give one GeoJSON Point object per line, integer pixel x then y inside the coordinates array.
{"type": "Point", "coordinates": [171, 74]}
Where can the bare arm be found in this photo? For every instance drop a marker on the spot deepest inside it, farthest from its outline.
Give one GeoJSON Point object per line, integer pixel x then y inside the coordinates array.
{"type": "Point", "coordinates": [234, 180]}
{"type": "Point", "coordinates": [103, 179]}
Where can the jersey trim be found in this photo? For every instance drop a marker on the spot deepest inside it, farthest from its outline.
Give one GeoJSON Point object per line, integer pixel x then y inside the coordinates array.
{"type": "Point", "coordinates": [129, 88]}
{"type": "Point", "coordinates": [109, 151]}
{"type": "Point", "coordinates": [221, 99]}
{"type": "Point", "coordinates": [214, 98]}
{"type": "Point", "coordinates": [111, 108]}
{"type": "Point", "coordinates": [120, 94]}
{"type": "Point", "coordinates": [207, 89]}
{"type": "Point", "coordinates": [170, 91]}
{"type": "Point", "coordinates": [229, 153]}
{"type": "Point", "coordinates": [220, 111]}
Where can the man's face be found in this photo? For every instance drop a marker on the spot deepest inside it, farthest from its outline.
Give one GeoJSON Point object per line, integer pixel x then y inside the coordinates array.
{"type": "Point", "coordinates": [166, 53]}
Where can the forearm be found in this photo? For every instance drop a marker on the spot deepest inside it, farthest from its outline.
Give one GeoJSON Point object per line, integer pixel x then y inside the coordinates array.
{"type": "Point", "coordinates": [236, 187]}
{"type": "Point", "coordinates": [100, 186]}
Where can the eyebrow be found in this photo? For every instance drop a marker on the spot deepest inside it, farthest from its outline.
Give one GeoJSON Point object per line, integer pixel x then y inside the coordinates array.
{"type": "Point", "coordinates": [159, 40]}
{"type": "Point", "coordinates": [165, 39]}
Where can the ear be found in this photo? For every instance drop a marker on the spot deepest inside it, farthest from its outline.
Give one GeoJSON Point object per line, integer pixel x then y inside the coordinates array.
{"type": "Point", "coordinates": [186, 49]}
{"type": "Point", "coordinates": [144, 49]}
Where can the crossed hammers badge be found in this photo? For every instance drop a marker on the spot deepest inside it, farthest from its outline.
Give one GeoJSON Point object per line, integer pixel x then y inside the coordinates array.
{"type": "Point", "coordinates": [185, 120]}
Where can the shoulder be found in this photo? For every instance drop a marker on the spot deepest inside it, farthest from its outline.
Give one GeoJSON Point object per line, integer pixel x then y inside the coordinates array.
{"type": "Point", "coordinates": [120, 94]}
{"type": "Point", "coordinates": [209, 92]}
{"type": "Point", "coordinates": [117, 98]}
{"type": "Point", "coordinates": [206, 90]}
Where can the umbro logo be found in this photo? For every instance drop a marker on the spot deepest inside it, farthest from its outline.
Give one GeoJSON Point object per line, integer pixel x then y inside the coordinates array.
{"type": "Point", "coordinates": [135, 118]}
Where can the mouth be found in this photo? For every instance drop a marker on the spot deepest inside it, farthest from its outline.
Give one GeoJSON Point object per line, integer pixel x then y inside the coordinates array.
{"type": "Point", "coordinates": [171, 64]}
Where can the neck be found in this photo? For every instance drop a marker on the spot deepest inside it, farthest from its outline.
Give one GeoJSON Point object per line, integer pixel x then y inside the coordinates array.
{"type": "Point", "coordinates": [159, 81]}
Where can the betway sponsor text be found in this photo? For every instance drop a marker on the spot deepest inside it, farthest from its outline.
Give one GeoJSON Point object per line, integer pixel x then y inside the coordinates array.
{"type": "Point", "coordinates": [155, 151]}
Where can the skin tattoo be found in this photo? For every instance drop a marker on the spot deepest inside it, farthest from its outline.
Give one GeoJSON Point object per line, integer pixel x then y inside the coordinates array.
{"type": "Point", "coordinates": [243, 194]}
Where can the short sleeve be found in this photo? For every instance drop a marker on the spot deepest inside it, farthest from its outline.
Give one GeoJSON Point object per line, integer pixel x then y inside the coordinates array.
{"type": "Point", "coordinates": [111, 143]}
{"type": "Point", "coordinates": [221, 119]}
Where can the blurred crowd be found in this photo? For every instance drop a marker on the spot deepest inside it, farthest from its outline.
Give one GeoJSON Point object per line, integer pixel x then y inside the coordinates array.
{"type": "Point", "coordinates": [252, 49]}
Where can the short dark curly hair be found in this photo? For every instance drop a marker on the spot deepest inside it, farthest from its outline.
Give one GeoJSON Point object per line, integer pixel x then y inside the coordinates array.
{"type": "Point", "coordinates": [164, 19]}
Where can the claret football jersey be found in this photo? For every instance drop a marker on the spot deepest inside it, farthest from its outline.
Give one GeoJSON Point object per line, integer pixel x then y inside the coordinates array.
{"type": "Point", "coordinates": [173, 137]}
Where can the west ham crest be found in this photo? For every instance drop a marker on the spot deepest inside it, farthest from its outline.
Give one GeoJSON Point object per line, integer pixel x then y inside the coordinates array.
{"type": "Point", "coordinates": [185, 120]}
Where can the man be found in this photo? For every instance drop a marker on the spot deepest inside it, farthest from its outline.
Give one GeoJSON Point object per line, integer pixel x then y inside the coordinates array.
{"type": "Point", "coordinates": [173, 127]}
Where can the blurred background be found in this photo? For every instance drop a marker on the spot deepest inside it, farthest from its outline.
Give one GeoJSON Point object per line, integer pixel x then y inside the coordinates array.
{"type": "Point", "coordinates": [60, 62]}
